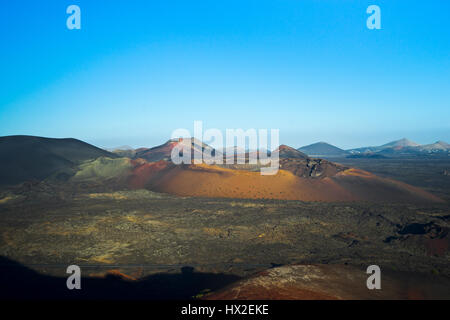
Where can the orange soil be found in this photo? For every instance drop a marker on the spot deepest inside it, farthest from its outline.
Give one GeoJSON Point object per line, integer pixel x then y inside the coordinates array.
{"type": "Point", "coordinates": [212, 181]}
{"type": "Point", "coordinates": [144, 172]}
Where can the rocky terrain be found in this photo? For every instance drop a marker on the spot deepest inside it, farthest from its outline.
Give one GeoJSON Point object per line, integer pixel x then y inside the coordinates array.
{"type": "Point", "coordinates": [139, 233]}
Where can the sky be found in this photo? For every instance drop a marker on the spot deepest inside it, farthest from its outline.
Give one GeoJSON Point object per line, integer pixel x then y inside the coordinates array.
{"type": "Point", "coordinates": [138, 70]}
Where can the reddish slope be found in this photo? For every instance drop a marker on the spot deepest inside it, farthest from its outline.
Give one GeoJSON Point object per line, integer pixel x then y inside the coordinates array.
{"type": "Point", "coordinates": [146, 171]}
{"type": "Point", "coordinates": [332, 282]}
{"type": "Point", "coordinates": [212, 181]}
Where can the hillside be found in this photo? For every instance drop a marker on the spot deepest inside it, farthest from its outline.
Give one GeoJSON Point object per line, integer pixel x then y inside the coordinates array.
{"type": "Point", "coordinates": [439, 146]}
{"type": "Point", "coordinates": [340, 184]}
{"type": "Point", "coordinates": [330, 282]}
{"type": "Point", "coordinates": [405, 147]}
{"type": "Point", "coordinates": [402, 145]}
{"type": "Point", "coordinates": [288, 152]}
{"type": "Point", "coordinates": [322, 149]}
{"type": "Point", "coordinates": [164, 151]}
{"type": "Point", "coordinates": [299, 178]}
{"type": "Point", "coordinates": [24, 158]}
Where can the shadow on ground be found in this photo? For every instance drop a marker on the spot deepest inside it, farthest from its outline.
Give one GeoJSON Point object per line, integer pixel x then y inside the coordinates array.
{"type": "Point", "coordinates": [20, 282]}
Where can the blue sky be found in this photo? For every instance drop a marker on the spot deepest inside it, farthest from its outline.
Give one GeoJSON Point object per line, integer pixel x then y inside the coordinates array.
{"type": "Point", "coordinates": [137, 70]}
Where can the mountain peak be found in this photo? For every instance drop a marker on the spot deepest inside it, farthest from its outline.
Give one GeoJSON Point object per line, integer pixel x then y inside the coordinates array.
{"type": "Point", "coordinates": [404, 142]}
{"type": "Point", "coordinates": [438, 146]}
{"type": "Point", "coordinates": [322, 148]}
{"type": "Point", "coordinates": [289, 152]}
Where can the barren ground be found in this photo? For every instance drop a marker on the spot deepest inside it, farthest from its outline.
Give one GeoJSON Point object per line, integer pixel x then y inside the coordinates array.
{"type": "Point", "coordinates": [136, 234]}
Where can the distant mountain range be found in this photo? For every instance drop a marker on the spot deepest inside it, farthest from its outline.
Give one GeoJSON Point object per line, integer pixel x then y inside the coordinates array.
{"type": "Point", "coordinates": [405, 147]}
{"type": "Point", "coordinates": [319, 149]}
{"type": "Point", "coordinates": [396, 145]}
{"type": "Point", "coordinates": [391, 149]}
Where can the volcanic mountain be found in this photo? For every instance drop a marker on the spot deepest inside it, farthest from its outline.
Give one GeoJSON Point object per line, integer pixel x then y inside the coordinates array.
{"type": "Point", "coordinates": [405, 147]}
{"type": "Point", "coordinates": [286, 152]}
{"type": "Point", "coordinates": [25, 158]}
{"type": "Point", "coordinates": [438, 146]}
{"type": "Point", "coordinates": [402, 143]}
{"type": "Point", "coordinates": [390, 147]}
{"type": "Point", "coordinates": [322, 149]}
{"type": "Point", "coordinates": [299, 177]}
{"type": "Point", "coordinates": [164, 151]}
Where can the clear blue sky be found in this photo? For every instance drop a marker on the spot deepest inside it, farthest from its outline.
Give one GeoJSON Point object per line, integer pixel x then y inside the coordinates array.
{"type": "Point", "coordinates": [137, 70]}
